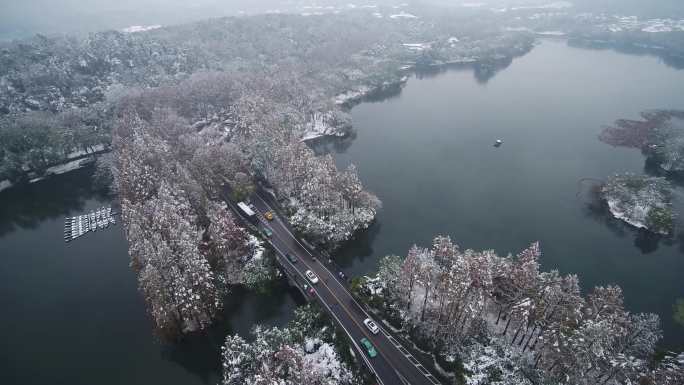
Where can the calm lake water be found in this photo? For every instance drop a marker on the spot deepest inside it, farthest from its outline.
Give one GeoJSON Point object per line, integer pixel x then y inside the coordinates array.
{"type": "Point", "coordinates": [428, 154]}
{"type": "Point", "coordinates": [71, 313]}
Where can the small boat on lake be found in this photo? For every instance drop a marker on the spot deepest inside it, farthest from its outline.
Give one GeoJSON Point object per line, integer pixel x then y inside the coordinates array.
{"type": "Point", "coordinates": [498, 143]}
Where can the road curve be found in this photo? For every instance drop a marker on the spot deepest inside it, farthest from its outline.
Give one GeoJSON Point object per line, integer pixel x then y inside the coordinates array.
{"type": "Point", "coordinates": [393, 364]}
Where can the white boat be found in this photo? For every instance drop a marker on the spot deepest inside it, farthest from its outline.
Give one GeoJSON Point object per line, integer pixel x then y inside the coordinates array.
{"type": "Point", "coordinates": [498, 143]}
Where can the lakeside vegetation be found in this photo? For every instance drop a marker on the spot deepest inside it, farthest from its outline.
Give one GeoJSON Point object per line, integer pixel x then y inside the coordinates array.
{"type": "Point", "coordinates": [309, 350]}
{"type": "Point", "coordinates": [646, 201]}
{"type": "Point", "coordinates": [500, 320]}
{"type": "Point", "coordinates": [659, 136]}
{"type": "Point", "coordinates": [642, 201]}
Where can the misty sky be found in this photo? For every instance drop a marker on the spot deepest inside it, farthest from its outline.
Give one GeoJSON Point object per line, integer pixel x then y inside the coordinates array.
{"type": "Point", "coordinates": [21, 18]}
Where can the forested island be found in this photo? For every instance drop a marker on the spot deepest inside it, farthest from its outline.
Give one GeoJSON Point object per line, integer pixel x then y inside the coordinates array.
{"type": "Point", "coordinates": [660, 136]}
{"type": "Point", "coordinates": [194, 112]}
{"type": "Point", "coordinates": [640, 200]}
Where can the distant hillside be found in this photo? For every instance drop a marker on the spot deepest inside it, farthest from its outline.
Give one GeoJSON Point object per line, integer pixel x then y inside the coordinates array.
{"type": "Point", "coordinates": [644, 8]}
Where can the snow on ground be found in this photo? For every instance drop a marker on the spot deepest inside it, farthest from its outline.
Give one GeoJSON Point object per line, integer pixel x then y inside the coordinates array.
{"type": "Point", "coordinates": [551, 33]}
{"type": "Point", "coordinates": [311, 136]}
{"type": "Point", "coordinates": [257, 246]}
{"type": "Point", "coordinates": [352, 95]}
{"type": "Point", "coordinates": [96, 148]}
{"type": "Point", "coordinates": [632, 23]}
{"type": "Point", "coordinates": [554, 5]}
{"type": "Point", "coordinates": [639, 201]}
{"type": "Point", "coordinates": [140, 28]}
{"type": "Point", "coordinates": [517, 29]}
{"type": "Point", "coordinates": [323, 124]}
{"type": "Point", "coordinates": [637, 216]}
{"type": "Point", "coordinates": [416, 46]}
{"type": "Point", "coordinates": [321, 357]}
{"type": "Point", "coordinates": [360, 92]}
{"type": "Point", "coordinates": [62, 168]}
{"type": "Point", "coordinates": [473, 5]}
{"type": "Point", "coordinates": [373, 285]}
{"type": "Point", "coordinates": [403, 15]}
{"type": "Point", "coordinates": [310, 344]}
{"type": "Point", "coordinates": [657, 27]}
{"type": "Point", "coordinates": [5, 184]}
{"type": "Point", "coordinates": [334, 229]}
{"type": "Point", "coordinates": [66, 167]}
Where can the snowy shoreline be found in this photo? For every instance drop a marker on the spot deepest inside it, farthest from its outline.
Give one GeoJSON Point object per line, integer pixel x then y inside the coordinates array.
{"type": "Point", "coordinates": [354, 96]}
{"type": "Point", "coordinates": [640, 201]}
{"type": "Point", "coordinates": [74, 161]}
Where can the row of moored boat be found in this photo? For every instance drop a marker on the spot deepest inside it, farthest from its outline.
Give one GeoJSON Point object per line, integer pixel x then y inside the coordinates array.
{"type": "Point", "coordinates": [75, 227]}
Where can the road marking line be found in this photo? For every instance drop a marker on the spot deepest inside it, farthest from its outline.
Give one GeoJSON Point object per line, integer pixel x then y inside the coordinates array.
{"type": "Point", "coordinates": [422, 369]}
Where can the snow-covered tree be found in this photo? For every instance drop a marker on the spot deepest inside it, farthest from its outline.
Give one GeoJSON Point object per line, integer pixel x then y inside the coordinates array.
{"type": "Point", "coordinates": [670, 371]}
{"type": "Point", "coordinates": [493, 364]}
{"type": "Point", "coordinates": [641, 201]}
{"type": "Point", "coordinates": [511, 323]}
{"type": "Point", "coordinates": [389, 269]}
{"type": "Point", "coordinates": [301, 353]}
{"type": "Point", "coordinates": [174, 275]}
{"type": "Point", "coordinates": [141, 159]}
{"type": "Point", "coordinates": [227, 244]}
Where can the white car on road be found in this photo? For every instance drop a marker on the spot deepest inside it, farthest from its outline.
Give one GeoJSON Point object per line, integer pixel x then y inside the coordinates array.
{"type": "Point", "coordinates": [312, 277]}
{"type": "Point", "coordinates": [371, 325]}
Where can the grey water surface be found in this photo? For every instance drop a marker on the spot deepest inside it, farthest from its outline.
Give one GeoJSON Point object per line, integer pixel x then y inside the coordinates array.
{"type": "Point", "coordinates": [428, 154]}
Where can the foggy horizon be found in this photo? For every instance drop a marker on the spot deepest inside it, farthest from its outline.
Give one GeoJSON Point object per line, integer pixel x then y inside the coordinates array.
{"type": "Point", "coordinates": [21, 19]}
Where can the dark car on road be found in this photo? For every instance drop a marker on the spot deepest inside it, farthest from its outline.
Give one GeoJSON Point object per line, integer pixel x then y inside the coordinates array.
{"type": "Point", "coordinates": [291, 258]}
{"type": "Point", "coordinates": [370, 349]}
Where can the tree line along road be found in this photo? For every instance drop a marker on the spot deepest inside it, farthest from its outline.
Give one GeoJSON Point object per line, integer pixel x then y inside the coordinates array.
{"type": "Point", "coordinates": [393, 364]}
